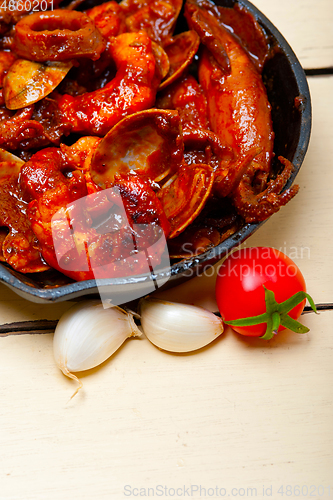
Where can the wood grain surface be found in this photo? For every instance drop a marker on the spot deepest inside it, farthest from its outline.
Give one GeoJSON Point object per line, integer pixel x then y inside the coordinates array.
{"type": "Point", "coordinates": [306, 25]}
{"type": "Point", "coordinates": [237, 414]}
{"type": "Point", "coordinates": [239, 418]}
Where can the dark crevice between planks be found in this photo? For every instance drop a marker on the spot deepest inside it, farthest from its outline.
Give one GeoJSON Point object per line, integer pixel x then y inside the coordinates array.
{"type": "Point", "coordinates": [308, 309]}
{"type": "Point", "coordinates": [48, 326]}
{"type": "Point", "coordinates": [320, 307]}
{"type": "Point", "coordinates": [22, 327]}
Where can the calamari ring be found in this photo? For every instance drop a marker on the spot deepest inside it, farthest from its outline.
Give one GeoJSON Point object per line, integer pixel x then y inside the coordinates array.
{"type": "Point", "coordinates": [58, 35]}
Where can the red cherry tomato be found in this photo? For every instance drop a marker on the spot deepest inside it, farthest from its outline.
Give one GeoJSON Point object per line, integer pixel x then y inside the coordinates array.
{"type": "Point", "coordinates": [241, 283]}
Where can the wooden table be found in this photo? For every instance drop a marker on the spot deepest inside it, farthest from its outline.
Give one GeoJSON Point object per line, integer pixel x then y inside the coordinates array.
{"type": "Point", "coordinates": [239, 418]}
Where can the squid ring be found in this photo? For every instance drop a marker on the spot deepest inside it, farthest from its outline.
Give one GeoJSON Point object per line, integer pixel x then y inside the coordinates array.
{"type": "Point", "coordinates": [58, 35]}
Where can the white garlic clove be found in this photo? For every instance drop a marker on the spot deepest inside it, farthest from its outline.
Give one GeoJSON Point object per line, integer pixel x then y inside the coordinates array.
{"type": "Point", "coordinates": [87, 334]}
{"type": "Point", "coordinates": [178, 327]}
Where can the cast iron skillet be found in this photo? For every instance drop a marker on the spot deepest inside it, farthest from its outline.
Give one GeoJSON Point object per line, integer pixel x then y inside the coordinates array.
{"type": "Point", "coordinates": [292, 128]}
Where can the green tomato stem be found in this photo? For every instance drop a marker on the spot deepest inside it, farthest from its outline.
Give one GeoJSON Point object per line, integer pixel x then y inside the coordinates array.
{"type": "Point", "coordinates": [277, 314]}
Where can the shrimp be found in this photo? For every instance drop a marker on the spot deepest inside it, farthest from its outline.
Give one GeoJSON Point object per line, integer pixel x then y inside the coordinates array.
{"type": "Point", "coordinates": [156, 17]}
{"type": "Point", "coordinates": [186, 96]}
{"type": "Point", "coordinates": [18, 246]}
{"type": "Point", "coordinates": [133, 88]}
{"type": "Point", "coordinates": [44, 180]}
{"type": "Point", "coordinates": [19, 129]}
{"type": "Point", "coordinates": [108, 18]}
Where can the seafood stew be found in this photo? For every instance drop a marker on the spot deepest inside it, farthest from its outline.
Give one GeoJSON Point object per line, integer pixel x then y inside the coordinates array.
{"type": "Point", "coordinates": [218, 183]}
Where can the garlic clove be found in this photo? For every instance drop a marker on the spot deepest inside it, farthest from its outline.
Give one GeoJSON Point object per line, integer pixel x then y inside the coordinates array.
{"type": "Point", "coordinates": [87, 334]}
{"type": "Point", "coordinates": [178, 327]}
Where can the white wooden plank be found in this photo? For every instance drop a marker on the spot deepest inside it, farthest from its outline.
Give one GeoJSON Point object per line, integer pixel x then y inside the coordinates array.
{"type": "Point", "coordinates": [306, 25]}
{"type": "Point", "coordinates": [14, 308]}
